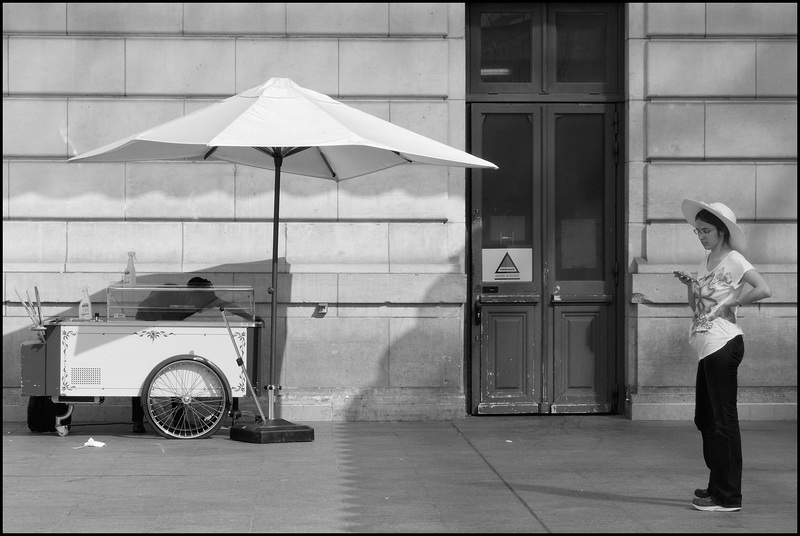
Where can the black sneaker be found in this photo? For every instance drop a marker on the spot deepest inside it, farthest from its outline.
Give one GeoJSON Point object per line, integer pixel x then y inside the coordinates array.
{"type": "Point", "coordinates": [711, 505]}
{"type": "Point", "coordinates": [702, 493]}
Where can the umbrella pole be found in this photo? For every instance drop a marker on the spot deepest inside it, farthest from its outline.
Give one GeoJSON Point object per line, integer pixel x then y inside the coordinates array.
{"type": "Point", "coordinates": [273, 290]}
{"type": "Point", "coordinates": [273, 430]}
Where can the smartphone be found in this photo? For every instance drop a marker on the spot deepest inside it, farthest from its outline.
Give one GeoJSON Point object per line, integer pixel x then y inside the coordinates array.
{"type": "Point", "coordinates": [683, 276]}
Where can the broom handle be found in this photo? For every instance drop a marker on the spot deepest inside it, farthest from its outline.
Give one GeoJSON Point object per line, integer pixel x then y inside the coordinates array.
{"type": "Point", "coordinates": [27, 309]}
{"type": "Point", "coordinates": [240, 361]}
{"type": "Point", "coordinates": [38, 304]}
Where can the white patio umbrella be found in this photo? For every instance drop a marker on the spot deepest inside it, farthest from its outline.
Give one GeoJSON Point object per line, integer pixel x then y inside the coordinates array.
{"type": "Point", "coordinates": [282, 126]}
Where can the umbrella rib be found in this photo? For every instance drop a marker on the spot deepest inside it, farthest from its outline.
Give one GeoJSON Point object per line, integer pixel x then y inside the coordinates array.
{"type": "Point", "coordinates": [276, 151]}
{"type": "Point", "coordinates": [328, 164]}
{"type": "Point", "coordinates": [210, 152]}
{"type": "Point", "coordinates": [295, 150]}
{"type": "Point", "coordinates": [403, 157]}
{"type": "Point", "coordinates": [265, 150]}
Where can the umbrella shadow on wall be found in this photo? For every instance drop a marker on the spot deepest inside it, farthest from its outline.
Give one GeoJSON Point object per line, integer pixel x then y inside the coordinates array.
{"type": "Point", "coordinates": [396, 362]}
{"type": "Point", "coordinates": [220, 276]}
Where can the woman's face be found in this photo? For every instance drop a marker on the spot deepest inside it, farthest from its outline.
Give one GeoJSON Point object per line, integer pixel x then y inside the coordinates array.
{"type": "Point", "coordinates": [709, 236]}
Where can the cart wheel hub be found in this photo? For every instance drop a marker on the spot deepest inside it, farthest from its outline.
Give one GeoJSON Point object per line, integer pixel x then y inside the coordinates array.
{"type": "Point", "coordinates": [186, 399]}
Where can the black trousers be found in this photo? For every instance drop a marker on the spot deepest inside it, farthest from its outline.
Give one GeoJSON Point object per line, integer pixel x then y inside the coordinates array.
{"type": "Point", "coordinates": [717, 418]}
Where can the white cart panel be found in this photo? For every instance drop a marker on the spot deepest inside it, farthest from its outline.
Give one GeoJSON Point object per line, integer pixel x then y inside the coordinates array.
{"type": "Point", "coordinates": [114, 359]}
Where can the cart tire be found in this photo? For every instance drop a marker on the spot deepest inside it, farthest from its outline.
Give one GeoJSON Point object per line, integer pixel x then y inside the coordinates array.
{"type": "Point", "coordinates": [186, 398]}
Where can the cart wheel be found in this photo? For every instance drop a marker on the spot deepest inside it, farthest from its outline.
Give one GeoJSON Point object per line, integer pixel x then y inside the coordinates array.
{"type": "Point", "coordinates": [185, 399]}
{"type": "Point", "coordinates": [62, 430]}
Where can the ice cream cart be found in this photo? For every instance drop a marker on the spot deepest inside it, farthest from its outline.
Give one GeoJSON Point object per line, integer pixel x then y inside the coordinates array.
{"type": "Point", "coordinates": [168, 344]}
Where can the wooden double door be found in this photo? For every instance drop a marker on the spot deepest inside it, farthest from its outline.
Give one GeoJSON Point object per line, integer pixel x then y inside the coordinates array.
{"type": "Point", "coordinates": [544, 274]}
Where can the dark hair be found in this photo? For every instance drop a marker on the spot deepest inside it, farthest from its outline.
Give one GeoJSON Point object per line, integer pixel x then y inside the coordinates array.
{"type": "Point", "coordinates": [708, 217]}
{"type": "Point", "coordinates": [199, 282]}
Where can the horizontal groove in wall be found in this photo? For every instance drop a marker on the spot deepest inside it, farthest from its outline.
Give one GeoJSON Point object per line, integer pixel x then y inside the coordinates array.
{"type": "Point", "coordinates": [212, 98]}
{"type": "Point", "coordinates": [282, 220]}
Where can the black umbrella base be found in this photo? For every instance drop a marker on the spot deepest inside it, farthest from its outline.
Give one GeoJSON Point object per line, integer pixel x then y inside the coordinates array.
{"type": "Point", "coordinates": [272, 431]}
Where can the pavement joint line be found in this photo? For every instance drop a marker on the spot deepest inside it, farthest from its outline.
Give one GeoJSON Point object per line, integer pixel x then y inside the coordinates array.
{"type": "Point", "coordinates": [503, 480]}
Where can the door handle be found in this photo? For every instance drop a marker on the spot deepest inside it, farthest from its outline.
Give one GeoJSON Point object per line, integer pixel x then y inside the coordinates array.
{"type": "Point", "coordinates": [478, 310]}
{"type": "Point", "coordinates": [555, 296]}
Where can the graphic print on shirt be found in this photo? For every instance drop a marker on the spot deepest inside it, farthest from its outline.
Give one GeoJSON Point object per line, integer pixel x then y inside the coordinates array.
{"type": "Point", "coordinates": [710, 292]}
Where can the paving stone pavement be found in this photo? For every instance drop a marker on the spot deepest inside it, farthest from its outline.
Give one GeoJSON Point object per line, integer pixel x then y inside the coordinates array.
{"type": "Point", "coordinates": [481, 474]}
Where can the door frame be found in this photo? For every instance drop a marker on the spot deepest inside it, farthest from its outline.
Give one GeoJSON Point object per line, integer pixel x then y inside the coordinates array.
{"type": "Point", "coordinates": [543, 237]}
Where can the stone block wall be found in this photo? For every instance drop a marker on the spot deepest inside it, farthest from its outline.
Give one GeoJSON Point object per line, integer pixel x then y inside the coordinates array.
{"type": "Point", "coordinates": [385, 252]}
{"type": "Point", "coordinates": [712, 115]}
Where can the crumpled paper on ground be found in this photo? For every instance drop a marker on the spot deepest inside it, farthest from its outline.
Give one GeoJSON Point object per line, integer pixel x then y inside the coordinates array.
{"type": "Point", "coordinates": [91, 443]}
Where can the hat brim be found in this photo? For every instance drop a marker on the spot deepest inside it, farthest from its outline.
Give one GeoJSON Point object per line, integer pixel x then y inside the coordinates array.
{"type": "Point", "coordinates": [737, 239]}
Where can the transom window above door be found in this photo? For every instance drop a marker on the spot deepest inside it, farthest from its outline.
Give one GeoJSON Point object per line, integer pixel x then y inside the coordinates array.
{"type": "Point", "coordinates": [543, 50]}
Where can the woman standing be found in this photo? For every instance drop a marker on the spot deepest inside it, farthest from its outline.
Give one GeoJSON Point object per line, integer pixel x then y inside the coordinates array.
{"type": "Point", "coordinates": [715, 297]}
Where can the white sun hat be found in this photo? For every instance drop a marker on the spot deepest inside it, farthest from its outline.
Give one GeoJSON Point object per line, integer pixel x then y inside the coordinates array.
{"type": "Point", "coordinates": [736, 237]}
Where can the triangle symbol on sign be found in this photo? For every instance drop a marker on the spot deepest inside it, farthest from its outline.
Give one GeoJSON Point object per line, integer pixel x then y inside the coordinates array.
{"type": "Point", "coordinates": [507, 266]}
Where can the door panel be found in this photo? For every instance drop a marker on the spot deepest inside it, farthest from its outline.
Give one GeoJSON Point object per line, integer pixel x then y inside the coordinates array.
{"type": "Point", "coordinates": [502, 38]}
{"type": "Point", "coordinates": [581, 51]}
{"type": "Point", "coordinates": [543, 251]}
{"type": "Point", "coordinates": [580, 383]}
{"type": "Point", "coordinates": [509, 373]}
{"type": "Point", "coordinates": [580, 186]}
{"type": "Point", "coordinates": [503, 216]}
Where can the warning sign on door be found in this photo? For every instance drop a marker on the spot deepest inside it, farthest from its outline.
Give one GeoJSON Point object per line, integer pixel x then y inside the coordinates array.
{"type": "Point", "coordinates": [513, 264]}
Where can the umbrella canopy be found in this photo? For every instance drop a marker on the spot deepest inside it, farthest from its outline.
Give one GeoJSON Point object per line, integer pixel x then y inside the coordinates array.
{"type": "Point", "coordinates": [280, 125]}
{"type": "Point", "coordinates": [334, 141]}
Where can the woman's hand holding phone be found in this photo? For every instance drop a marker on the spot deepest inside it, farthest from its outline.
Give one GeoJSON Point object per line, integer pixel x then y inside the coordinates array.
{"type": "Point", "coordinates": [683, 277]}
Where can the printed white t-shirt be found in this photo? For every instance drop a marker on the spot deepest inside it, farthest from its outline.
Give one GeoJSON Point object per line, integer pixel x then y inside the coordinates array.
{"type": "Point", "coordinates": [713, 288]}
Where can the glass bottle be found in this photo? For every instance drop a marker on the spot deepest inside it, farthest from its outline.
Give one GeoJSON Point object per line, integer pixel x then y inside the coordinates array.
{"type": "Point", "coordinates": [85, 307]}
{"type": "Point", "coordinates": [129, 275]}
